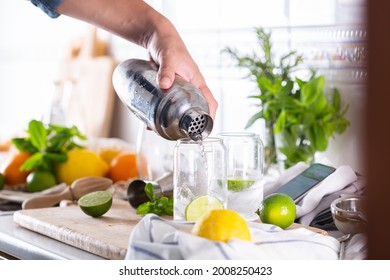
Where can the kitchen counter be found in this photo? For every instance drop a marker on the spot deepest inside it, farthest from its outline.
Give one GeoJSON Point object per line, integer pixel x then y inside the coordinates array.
{"type": "Point", "coordinates": [19, 243]}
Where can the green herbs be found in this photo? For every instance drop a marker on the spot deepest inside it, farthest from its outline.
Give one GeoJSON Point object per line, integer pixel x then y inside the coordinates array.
{"type": "Point", "coordinates": [47, 145]}
{"type": "Point", "coordinates": [299, 116]}
{"type": "Point", "coordinates": [159, 206]}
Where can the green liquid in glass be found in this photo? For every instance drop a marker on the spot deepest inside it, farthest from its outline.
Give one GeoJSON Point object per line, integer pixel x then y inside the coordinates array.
{"type": "Point", "coordinates": [239, 184]}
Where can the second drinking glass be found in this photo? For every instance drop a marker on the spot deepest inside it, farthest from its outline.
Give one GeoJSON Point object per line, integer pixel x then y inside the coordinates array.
{"type": "Point", "coordinates": [245, 172]}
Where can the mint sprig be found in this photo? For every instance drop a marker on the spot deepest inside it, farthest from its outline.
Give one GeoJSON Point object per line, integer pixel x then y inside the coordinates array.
{"type": "Point", "coordinates": [47, 145]}
{"type": "Point", "coordinates": [157, 205]}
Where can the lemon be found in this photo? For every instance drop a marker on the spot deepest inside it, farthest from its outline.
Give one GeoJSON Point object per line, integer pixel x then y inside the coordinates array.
{"type": "Point", "coordinates": [95, 204]}
{"type": "Point", "coordinates": [81, 163]}
{"type": "Point", "coordinates": [277, 209]}
{"type": "Point", "coordinates": [200, 205]}
{"type": "Point", "coordinates": [222, 225]}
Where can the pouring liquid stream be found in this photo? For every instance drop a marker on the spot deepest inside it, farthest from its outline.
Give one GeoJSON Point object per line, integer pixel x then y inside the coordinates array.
{"type": "Point", "coordinates": [203, 180]}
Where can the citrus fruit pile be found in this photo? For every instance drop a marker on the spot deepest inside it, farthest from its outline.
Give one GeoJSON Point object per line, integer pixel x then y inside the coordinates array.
{"type": "Point", "coordinates": [278, 209]}
{"type": "Point", "coordinates": [48, 154]}
{"type": "Point", "coordinates": [222, 225]}
{"type": "Point", "coordinates": [81, 162]}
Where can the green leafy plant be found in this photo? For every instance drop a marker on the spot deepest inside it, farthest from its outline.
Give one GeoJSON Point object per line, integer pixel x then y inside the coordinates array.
{"type": "Point", "coordinates": [157, 205]}
{"type": "Point", "coordinates": [47, 145]}
{"type": "Point", "coordinates": [300, 111]}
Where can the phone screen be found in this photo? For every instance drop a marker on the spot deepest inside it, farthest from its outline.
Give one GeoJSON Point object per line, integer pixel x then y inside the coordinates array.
{"type": "Point", "coordinates": [301, 184]}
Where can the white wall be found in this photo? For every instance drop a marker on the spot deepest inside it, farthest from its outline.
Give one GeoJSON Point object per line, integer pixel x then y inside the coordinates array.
{"type": "Point", "coordinates": [32, 46]}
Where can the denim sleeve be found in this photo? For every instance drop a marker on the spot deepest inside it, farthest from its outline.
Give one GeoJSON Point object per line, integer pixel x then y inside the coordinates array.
{"type": "Point", "coordinates": [48, 6]}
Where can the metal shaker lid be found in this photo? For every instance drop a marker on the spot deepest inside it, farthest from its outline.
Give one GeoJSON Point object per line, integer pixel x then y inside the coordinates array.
{"type": "Point", "coordinates": [196, 123]}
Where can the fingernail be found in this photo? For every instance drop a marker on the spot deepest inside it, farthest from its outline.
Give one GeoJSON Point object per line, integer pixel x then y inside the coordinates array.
{"type": "Point", "coordinates": [165, 82]}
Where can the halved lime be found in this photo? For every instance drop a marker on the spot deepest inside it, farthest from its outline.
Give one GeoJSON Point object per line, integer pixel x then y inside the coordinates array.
{"type": "Point", "coordinates": [239, 184]}
{"type": "Point", "coordinates": [200, 205]}
{"type": "Point", "coordinates": [96, 203]}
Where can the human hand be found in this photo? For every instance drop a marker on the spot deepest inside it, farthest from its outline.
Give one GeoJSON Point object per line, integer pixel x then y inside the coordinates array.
{"type": "Point", "coordinates": [137, 22]}
{"type": "Point", "coordinates": [173, 58]}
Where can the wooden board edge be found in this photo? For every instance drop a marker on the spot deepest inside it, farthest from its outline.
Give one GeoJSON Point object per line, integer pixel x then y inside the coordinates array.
{"type": "Point", "coordinates": [69, 238]}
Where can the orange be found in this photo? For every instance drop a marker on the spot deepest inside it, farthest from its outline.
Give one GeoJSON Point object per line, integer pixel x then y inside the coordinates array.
{"type": "Point", "coordinates": [123, 167]}
{"type": "Point", "coordinates": [11, 169]}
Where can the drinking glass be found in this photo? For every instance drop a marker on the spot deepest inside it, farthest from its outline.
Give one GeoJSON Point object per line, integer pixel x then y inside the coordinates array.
{"type": "Point", "coordinates": [245, 172]}
{"type": "Point", "coordinates": [154, 154]}
{"type": "Point", "coordinates": [199, 171]}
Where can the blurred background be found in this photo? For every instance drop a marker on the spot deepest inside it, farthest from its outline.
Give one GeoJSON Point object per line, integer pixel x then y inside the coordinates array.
{"type": "Point", "coordinates": [330, 34]}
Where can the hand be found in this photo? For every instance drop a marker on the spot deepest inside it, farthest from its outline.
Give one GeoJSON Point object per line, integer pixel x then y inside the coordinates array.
{"type": "Point", "coordinates": [139, 23]}
{"type": "Point", "coordinates": [172, 56]}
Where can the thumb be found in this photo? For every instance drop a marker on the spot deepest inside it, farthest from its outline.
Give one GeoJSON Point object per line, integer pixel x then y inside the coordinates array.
{"type": "Point", "coordinates": [165, 77]}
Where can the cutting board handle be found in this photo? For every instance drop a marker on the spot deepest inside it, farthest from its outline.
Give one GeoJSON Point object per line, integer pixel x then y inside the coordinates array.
{"type": "Point", "coordinates": [89, 43]}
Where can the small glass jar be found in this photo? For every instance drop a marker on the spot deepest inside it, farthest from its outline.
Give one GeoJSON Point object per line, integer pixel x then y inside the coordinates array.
{"type": "Point", "coordinates": [200, 171]}
{"type": "Point", "coordinates": [245, 172]}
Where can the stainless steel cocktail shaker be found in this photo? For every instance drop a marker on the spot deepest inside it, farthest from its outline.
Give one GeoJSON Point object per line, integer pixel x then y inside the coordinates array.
{"type": "Point", "coordinates": [178, 112]}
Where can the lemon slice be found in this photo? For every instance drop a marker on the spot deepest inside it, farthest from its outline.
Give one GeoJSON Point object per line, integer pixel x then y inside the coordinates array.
{"type": "Point", "coordinates": [200, 205]}
{"type": "Point", "coordinates": [96, 204]}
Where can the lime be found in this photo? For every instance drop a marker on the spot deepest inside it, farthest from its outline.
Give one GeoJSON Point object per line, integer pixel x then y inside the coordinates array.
{"type": "Point", "coordinates": [278, 209]}
{"type": "Point", "coordinates": [222, 225]}
{"type": "Point", "coordinates": [2, 181]}
{"type": "Point", "coordinates": [96, 203]}
{"type": "Point", "coordinates": [198, 206]}
{"type": "Point", "coordinates": [40, 180]}
{"type": "Point", "coordinates": [239, 184]}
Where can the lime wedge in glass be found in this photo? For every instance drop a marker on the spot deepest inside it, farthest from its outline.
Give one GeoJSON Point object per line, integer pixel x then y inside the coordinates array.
{"type": "Point", "coordinates": [239, 184]}
{"type": "Point", "coordinates": [198, 206]}
{"type": "Point", "coordinates": [96, 204]}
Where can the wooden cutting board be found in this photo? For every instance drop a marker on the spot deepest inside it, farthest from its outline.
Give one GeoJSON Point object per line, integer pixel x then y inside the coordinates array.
{"type": "Point", "coordinates": [88, 69]}
{"type": "Point", "coordinates": [106, 236]}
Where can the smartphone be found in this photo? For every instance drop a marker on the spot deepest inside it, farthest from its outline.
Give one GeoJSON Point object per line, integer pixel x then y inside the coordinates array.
{"type": "Point", "coordinates": [297, 187]}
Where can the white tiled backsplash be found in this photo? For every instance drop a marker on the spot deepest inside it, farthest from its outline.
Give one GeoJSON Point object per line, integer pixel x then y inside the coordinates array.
{"type": "Point", "coordinates": [326, 31]}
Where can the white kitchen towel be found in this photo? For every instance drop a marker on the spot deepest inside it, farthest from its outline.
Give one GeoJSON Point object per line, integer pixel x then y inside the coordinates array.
{"type": "Point", "coordinates": [343, 177]}
{"type": "Point", "coordinates": [338, 180]}
{"type": "Point", "coordinates": [160, 239]}
{"type": "Point", "coordinates": [356, 248]}
{"type": "Point", "coordinates": [356, 188]}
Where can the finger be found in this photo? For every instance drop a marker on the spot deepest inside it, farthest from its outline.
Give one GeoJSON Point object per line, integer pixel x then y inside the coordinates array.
{"type": "Point", "coordinates": [211, 101]}
{"type": "Point", "coordinates": [165, 77]}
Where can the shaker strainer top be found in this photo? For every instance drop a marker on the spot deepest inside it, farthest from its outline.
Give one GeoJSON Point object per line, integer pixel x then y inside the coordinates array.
{"type": "Point", "coordinates": [196, 124]}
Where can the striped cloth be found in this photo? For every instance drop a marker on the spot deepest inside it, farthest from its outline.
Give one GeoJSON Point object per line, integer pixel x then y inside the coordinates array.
{"type": "Point", "coordinates": [155, 238]}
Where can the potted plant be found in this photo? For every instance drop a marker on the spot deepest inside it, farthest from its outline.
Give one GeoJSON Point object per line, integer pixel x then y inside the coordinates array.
{"type": "Point", "coordinates": [300, 116]}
